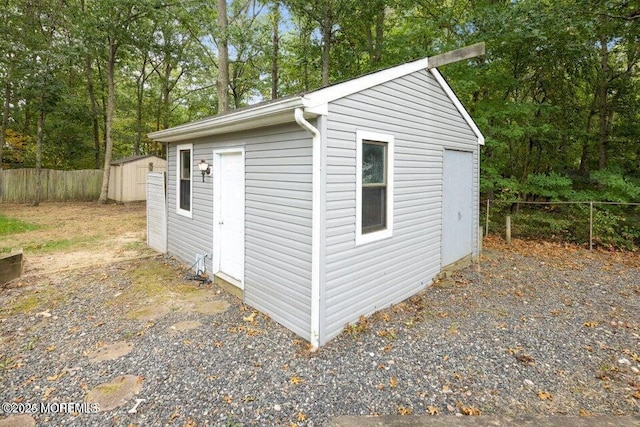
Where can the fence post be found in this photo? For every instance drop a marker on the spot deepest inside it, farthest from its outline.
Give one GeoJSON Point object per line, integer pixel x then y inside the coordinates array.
{"type": "Point", "coordinates": [486, 226]}
{"type": "Point", "coordinates": [590, 226]}
{"type": "Point", "coordinates": [508, 229]}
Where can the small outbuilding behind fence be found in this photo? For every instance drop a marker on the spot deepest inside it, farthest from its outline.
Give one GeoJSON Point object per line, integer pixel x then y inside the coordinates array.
{"type": "Point", "coordinates": [128, 177]}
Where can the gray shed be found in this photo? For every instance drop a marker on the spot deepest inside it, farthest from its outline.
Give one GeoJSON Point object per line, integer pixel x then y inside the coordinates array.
{"type": "Point", "coordinates": [333, 204]}
{"type": "Point", "coordinates": [128, 177]}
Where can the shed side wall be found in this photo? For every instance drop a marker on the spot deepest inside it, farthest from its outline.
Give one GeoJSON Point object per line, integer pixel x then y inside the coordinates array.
{"type": "Point", "coordinates": [363, 279]}
{"type": "Point", "coordinates": [277, 269]}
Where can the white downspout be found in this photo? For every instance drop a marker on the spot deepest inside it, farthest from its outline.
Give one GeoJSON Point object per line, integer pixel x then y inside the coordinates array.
{"type": "Point", "coordinates": [315, 228]}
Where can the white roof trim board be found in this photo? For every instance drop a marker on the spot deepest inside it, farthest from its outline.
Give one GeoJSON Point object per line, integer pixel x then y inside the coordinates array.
{"type": "Point", "coordinates": [314, 103]}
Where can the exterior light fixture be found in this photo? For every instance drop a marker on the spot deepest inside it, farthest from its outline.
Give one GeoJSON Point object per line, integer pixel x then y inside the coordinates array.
{"type": "Point", "coordinates": [204, 168]}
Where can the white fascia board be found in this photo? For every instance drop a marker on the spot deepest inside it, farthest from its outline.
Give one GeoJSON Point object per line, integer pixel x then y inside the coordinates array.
{"type": "Point", "coordinates": [264, 115]}
{"type": "Point", "coordinates": [320, 98]}
{"type": "Point", "coordinates": [452, 96]}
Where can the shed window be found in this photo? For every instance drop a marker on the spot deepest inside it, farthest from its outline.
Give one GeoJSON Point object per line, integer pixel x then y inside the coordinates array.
{"type": "Point", "coordinates": [183, 179]}
{"type": "Point", "coordinates": [374, 193]}
{"type": "Point", "coordinates": [374, 185]}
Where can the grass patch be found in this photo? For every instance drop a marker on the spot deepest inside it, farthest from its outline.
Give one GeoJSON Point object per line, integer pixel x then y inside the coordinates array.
{"type": "Point", "coordinates": [60, 245]}
{"type": "Point", "coordinates": [39, 300]}
{"type": "Point", "coordinates": [26, 304]}
{"type": "Point", "coordinates": [13, 226]}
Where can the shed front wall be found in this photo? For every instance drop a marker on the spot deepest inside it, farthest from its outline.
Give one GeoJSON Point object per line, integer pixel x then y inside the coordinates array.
{"type": "Point", "coordinates": [360, 280]}
{"type": "Point", "coordinates": [128, 181]}
{"type": "Point", "coordinates": [277, 233]}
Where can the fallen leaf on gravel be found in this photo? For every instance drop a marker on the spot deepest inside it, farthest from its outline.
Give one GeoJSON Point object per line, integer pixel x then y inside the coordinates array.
{"type": "Point", "coordinates": [30, 380]}
{"type": "Point", "coordinates": [633, 355]}
{"type": "Point", "coordinates": [432, 410]}
{"type": "Point", "coordinates": [253, 332]}
{"type": "Point", "coordinates": [228, 399]}
{"type": "Point", "coordinates": [636, 394]}
{"type": "Point", "coordinates": [250, 318]}
{"type": "Point", "coordinates": [57, 376]}
{"type": "Point", "coordinates": [584, 413]}
{"type": "Point", "coordinates": [47, 392]}
{"type": "Point", "coordinates": [296, 380]}
{"type": "Point", "coordinates": [218, 344]}
{"type": "Point", "coordinates": [403, 410]}
{"type": "Point", "coordinates": [51, 347]}
{"type": "Point", "coordinates": [543, 395]}
{"type": "Point", "coordinates": [514, 350]}
{"type": "Point", "coordinates": [590, 324]}
{"type": "Point", "coordinates": [393, 382]}
{"type": "Point", "coordinates": [190, 422]}
{"type": "Point", "coordinates": [526, 359]}
{"type": "Point", "coordinates": [173, 416]}
{"type": "Point", "coordinates": [468, 410]}
{"type": "Point", "coordinates": [301, 416]}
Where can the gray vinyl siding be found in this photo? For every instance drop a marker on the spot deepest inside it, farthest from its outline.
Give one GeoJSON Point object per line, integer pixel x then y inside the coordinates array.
{"type": "Point", "coordinates": [278, 177]}
{"type": "Point", "coordinates": [278, 174]}
{"type": "Point", "coordinates": [423, 121]}
{"type": "Point", "coordinates": [187, 237]}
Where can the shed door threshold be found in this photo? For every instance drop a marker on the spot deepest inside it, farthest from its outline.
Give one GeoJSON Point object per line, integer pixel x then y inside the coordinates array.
{"type": "Point", "coordinates": [227, 278]}
{"type": "Point", "coordinates": [229, 283]}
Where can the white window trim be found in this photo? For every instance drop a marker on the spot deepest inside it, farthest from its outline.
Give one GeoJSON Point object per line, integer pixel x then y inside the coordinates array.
{"type": "Point", "coordinates": [388, 231]}
{"type": "Point", "coordinates": [179, 211]}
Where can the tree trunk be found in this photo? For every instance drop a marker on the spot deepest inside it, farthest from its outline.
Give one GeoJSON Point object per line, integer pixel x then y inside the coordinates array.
{"type": "Point", "coordinates": [166, 93]}
{"type": "Point", "coordinates": [223, 58]}
{"type": "Point", "coordinates": [111, 106]}
{"type": "Point", "coordinates": [276, 50]}
{"type": "Point", "coordinates": [140, 82]}
{"type": "Point", "coordinates": [584, 157]}
{"type": "Point", "coordinates": [603, 136]}
{"type": "Point", "coordinates": [327, 35]}
{"type": "Point", "coordinates": [39, 138]}
{"type": "Point", "coordinates": [140, 95]}
{"type": "Point", "coordinates": [94, 111]}
{"type": "Point", "coordinates": [5, 118]}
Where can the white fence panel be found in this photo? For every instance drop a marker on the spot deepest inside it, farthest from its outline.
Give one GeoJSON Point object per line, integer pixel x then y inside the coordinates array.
{"type": "Point", "coordinates": [156, 212]}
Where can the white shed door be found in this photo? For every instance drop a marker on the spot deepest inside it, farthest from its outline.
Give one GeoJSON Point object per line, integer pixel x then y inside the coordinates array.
{"type": "Point", "coordinates": [231, 214]}
{"type": "Point", "coordinates": [457, 210]}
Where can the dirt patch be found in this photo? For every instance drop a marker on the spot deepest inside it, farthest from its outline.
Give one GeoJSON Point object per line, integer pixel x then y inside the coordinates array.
{"type": "Point", "coordinates": [185, 325]}
{"type": "Point", "coordinates": [116, 393]}
{"type": "Point", "coordinates": [77, 235]}
{"type": "Point", "coordinates": [212, 307]}
{"type": "Point", "coordinates": [110, 351]}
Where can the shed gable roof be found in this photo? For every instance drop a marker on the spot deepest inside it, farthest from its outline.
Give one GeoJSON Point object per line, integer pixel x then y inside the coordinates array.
{"type": "Point", "coordinates": [132, 159]}
{"type": "Point", "coordinates": [314, 103]}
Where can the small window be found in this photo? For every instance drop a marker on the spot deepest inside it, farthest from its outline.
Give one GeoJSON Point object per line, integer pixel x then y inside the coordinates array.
{"type": "Point", "coordinates": [374, 185]}
{"type": "Point", "coordinates": [183, 180]}
{"type": "Point", "coordinates": [374, 193]}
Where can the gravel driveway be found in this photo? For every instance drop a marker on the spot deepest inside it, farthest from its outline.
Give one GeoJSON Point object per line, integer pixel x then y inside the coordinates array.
{"type": "Point", "coordinates": [536, 329]}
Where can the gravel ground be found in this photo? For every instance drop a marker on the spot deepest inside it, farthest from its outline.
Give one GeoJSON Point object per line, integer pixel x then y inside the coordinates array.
{"type": "Point", "coordinates": [538, 329]}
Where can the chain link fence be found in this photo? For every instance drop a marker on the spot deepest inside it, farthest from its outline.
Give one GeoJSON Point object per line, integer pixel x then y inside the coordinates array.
{"type": "Point", "coordinates": [592, 224]}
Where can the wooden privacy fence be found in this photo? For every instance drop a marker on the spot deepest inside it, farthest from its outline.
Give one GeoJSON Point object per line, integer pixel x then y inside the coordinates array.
{"type": "Point", "coordinates": [19, 185]}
